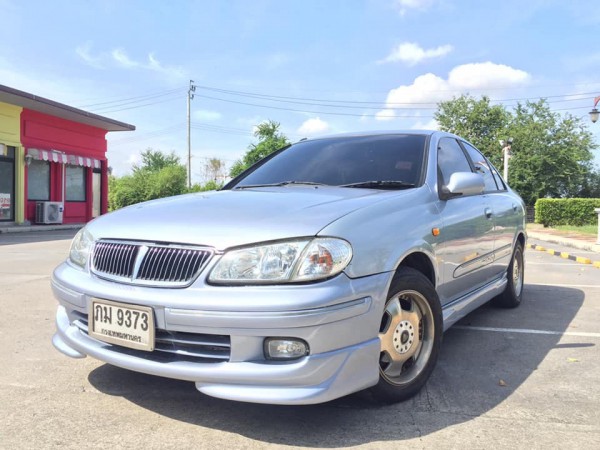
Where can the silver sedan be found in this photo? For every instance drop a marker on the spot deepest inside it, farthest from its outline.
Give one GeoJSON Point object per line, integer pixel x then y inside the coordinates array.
{"type": "Point", "coordinates": [331, 266]}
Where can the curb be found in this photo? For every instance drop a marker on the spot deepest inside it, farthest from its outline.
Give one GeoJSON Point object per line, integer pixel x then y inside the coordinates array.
{"type": "Point", "coordinates": [565, 255]}
{"type": "Point", "coordinates": [564, 241]}
{"type": "Point", "coordinates": [39, 228]}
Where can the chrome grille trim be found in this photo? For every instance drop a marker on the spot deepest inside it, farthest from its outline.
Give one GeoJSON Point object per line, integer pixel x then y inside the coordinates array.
{"type": "Point", "coordinates": [148, 264]}
{"type": "Point", "coordinates": [116, 259]}
{"type": "Point", "coordinates": [172, 346]}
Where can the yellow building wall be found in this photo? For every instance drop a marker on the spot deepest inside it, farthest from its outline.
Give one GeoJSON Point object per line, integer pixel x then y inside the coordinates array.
{"type": "Point", "coordinates": [10, 134]}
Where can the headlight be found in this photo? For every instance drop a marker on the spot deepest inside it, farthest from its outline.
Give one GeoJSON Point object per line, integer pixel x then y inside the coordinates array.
{"type": "Point", "coordinates": [284, 262]}
{"type": "Point", "coordinates": [80, 247]}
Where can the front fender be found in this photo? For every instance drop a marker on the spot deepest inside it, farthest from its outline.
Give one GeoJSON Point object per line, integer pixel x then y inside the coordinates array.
{"type": "Point", "coordinates": [384, 234]}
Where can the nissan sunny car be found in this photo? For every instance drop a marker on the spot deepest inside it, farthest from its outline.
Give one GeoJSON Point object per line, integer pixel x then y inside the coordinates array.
{"type": "Point", "coordinates": [332, 266]}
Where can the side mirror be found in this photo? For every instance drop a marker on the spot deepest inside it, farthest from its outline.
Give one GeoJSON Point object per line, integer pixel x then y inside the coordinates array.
{"type": "Point", "coordinates": [462, 184]}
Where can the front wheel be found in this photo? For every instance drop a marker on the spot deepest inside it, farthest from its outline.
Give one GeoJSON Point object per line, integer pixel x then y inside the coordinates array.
{"type": "Point", "coordinates": [410, 336]}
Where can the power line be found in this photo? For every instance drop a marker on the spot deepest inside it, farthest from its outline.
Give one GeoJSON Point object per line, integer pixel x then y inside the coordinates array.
{"type": "Point", "coordinates": [300, 100]}
{"type": "Point", "coordinates": [307, 111]}
{"type": "Point", "coordinates": [134, 99]}
{"type": "Point", "coordinates": [142, 101]}
{"type": "Point", "coordinates": [105, 111]}
{"type": "Point", "coordinates": [148, 135]}
{"type": "Point", "coordinates": [330, 105]}
{"type": "Point", "coordinates": [379, 104]}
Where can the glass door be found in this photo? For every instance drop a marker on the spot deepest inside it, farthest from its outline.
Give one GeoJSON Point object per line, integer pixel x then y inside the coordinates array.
{"type": "Point", "coordinates": [96, 193]}
{"type": "Point", "coordinates": [7, 183]}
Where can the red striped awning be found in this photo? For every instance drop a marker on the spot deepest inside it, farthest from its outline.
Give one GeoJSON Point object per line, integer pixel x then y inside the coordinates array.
{"type": "Point", "coordinates": [63, 158]}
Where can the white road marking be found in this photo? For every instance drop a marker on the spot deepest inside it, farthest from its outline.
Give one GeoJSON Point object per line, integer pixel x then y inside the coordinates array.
{"type": "Point", "coordinates": [527, 331]}
{"type": "Point", "coordinates": [566, 261]}
{"type": "Point", "coordinates": [564, 285]}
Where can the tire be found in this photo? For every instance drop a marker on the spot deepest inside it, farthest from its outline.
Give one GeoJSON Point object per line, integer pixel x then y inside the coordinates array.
{"type": "Point", "coordinates": [410, 334]}
{"type": "Point", "coordinates": [512, 295]}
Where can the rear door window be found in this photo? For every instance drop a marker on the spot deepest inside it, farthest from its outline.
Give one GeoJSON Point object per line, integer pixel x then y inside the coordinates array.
{"type": "Point", "coordinates": [482, 167]}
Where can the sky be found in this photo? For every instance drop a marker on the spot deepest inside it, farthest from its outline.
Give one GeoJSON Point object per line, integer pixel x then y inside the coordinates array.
{"type": "Point", "coordinates": [315, 66]}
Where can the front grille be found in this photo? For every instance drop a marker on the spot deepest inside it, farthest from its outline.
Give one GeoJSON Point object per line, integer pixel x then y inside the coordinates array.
{"type": "Point", "coordinates": [115, 259]}
{"type": "Point", "coordinates": [148, 264]}
{"type": "Point", "coordinates": [171, 264]}
{"type": "Point", "coordinates": [173, 346]}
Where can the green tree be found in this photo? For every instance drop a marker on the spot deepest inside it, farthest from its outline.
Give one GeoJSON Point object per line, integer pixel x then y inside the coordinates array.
{"type": "Point", "coordinates": [125, 191]}
{"type": "Point", "coordinates": [166, 182]}
{"type": "Point", "coordinates": [552, 154]}
{"type": "Point", "coordinates": [155, 160]}
{"type": "Point", "coordinates": [269, 140]}
{"type": "Point", "coordinates": [591, 188]}
{"type": "Point", "coordinates": [477, 121]}
{"type": "Point", "coordinates": [158, 176]}
{"type": "Point", "coordinates": [210, 185]}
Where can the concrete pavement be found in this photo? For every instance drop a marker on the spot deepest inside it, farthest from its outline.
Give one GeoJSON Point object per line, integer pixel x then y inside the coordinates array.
{"type": "Point", "coordinates": [506, 379]}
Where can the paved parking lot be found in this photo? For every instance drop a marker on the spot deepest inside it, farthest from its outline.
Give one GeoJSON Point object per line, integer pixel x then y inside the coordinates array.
{"type": "Point", "coordinates": [506, 379]}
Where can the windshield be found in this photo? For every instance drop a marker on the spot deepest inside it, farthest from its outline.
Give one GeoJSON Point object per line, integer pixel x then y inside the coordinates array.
{"type": "Point", "coordinates": [366, 161]}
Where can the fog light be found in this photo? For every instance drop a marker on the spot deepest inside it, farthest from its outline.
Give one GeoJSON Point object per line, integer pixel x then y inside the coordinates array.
{"type": "Point", "coordinates": [285, 348]}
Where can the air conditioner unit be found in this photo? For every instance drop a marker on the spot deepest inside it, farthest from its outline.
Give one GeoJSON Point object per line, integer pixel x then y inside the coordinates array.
{"type": "Point", "coordinates": [49, 212]}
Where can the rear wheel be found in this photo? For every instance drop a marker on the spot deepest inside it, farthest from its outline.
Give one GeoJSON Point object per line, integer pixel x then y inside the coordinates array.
{"type": "Point", "coordinates": [410, 336]}
{"type": "Point", "coordinates": [511, 297]}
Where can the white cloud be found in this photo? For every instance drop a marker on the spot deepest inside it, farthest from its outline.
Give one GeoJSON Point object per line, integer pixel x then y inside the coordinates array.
{"type": "Point", "coordinates": [404, 6]}
{"type": "Point", "coordinates": [84, 53]}
{"type": "Point", "coordinates": [120, 58]}
{"type": "Point", "coordinates": [429, 89]}
{"type": "Point", "coordinates": [411, 53]}
{"type": "Point", "coordinates": [485, 76]}
{"type": "Point", "coordinates": [314, 126]}
{"type": "Point", "coordinates": [206, 115]}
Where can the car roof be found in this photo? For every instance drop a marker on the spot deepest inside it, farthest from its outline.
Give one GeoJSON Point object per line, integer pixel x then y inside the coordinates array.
{"type": "Point", "coordinates": [372, 133]}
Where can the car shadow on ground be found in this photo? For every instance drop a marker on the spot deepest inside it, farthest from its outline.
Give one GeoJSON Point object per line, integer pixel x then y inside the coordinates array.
{"type": "Point", "coordinates": [477, 371]}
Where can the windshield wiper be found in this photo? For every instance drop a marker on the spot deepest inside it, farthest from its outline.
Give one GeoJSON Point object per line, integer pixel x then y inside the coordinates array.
{"type": "Point", "coordinates": [380, 184]}
{"type": "Point", "coordinates": [282, 183]}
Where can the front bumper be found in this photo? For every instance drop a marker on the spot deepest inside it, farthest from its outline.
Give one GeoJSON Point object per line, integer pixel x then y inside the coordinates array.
{"type": "Point", "coordinates": [339, 319]}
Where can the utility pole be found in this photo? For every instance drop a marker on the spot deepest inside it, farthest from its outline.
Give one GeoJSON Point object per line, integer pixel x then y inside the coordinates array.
{"type": "Point", "coordinates": [190, 97]}
{"type": "Point", "coordinates": [506, 154]}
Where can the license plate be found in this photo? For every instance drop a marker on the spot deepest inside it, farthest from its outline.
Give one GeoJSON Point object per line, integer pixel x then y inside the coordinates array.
{"type": "Point", "coordinates": [122, 324]}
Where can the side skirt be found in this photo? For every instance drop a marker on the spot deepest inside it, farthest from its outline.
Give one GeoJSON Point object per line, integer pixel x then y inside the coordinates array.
{"type": "Point", "coordinates": [459, 308]}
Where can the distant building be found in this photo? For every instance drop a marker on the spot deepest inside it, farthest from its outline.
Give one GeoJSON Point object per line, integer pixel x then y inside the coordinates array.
{"type": "Point", "coordinates": [53, 166]}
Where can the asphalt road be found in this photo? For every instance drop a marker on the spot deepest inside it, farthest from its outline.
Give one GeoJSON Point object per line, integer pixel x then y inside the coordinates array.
{"type": "Point", "coordinates": [524, 378]}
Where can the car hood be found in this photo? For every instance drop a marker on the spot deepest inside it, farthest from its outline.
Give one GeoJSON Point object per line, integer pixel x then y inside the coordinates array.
{"type": "Point", "coordinates": [232, 218]}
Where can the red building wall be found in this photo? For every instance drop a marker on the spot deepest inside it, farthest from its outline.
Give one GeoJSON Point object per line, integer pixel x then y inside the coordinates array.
{"type": "Point", "coordinates": [45, 132]}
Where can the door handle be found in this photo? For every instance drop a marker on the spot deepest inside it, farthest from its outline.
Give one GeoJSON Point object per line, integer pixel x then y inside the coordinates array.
{"type": "Point", "coordinates": [488, 213]}
{"type": "Point", "coordinates": [514, 207]}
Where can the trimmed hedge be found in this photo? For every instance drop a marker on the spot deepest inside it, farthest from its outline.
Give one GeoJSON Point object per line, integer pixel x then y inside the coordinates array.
{"type": "Point", "coordinates": [566, 211]}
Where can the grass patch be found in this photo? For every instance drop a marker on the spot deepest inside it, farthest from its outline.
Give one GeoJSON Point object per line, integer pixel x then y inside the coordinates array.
{"type": "Point", "coordinates": [585, 229]}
